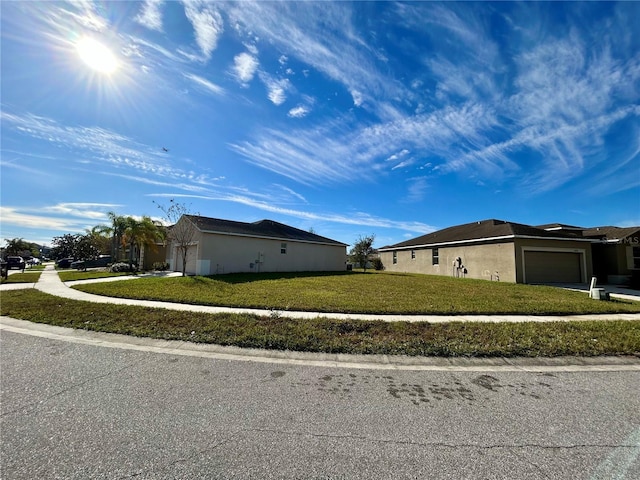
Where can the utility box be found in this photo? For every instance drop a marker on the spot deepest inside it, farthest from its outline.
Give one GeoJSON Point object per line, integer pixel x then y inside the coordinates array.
{"type": "Point", "coordinates": [599, 294]}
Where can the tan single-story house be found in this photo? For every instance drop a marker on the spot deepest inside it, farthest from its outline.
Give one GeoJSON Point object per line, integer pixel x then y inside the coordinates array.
{"type": "Point", "coordinates": [496, 250]}
{"type": "Point", "coordinates": [225, 246]}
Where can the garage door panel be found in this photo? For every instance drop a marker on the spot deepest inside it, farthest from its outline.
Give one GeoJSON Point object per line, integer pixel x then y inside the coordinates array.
{"type": "Point", "coordinates": [552, 267]}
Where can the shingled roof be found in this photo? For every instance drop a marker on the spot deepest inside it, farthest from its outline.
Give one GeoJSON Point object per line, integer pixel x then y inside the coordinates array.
{"type": "Point", "coordinates": [611, 234]}
{"type": "Point", "coordinates": [260, 229]}
{"type": "Point", "coordinates": [482, 231]}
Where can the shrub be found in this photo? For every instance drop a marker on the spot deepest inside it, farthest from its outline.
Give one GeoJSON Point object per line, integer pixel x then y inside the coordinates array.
{"type": "Point", "coordinates": [377, 264]}
{"type": "Point", "coordinates": [634, 282]}
{"type": "Point", "coordinates": [123, 267]}
{"type": "Point", "coordinates": [160, 266]}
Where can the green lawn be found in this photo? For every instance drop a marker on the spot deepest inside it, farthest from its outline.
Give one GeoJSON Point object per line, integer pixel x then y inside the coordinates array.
{"type": "Point", "coordinates": [26, 277]}
{"type": "Point", "coordinates": [331, 336]}
{"type": "Point", "coordinates": [352, 292]}
{"type": "Point", "coordinates": [70, 275]}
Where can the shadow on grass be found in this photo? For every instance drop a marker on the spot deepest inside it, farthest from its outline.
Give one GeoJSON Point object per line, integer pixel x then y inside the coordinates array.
{"type": "Point", "coordinates": [238, 278]}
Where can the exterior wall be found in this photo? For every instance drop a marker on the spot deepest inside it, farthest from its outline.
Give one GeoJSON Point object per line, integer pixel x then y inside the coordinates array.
{"type": "Point", "coordinates": [493, 261]}
{"type": "Point", "coordinates": [218, 254]}
{"type": "Point", "coordinates": [526, 244]}
{"type": "Point", "coordinates": [151, 256]}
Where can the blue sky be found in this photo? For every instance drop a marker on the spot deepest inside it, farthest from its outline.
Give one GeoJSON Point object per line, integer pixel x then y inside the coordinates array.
{"type": "Point", "coordinates": [385, 118]}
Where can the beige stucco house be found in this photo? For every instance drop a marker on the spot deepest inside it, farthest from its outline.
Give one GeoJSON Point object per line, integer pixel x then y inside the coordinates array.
{"type": "Point", "coordinates": [495, 250]}
{"type": "Point", "coordinates": [225, 246]}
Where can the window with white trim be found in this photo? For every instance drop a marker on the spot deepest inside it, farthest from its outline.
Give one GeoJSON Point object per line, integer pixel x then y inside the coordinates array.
{"type": "Point", "coordinates": [413, 254]}
{"type": "Point", "coordinates": [395, 257]}
{"type": "Point", "coordinates": [283, 248]}
{"type": "Point", "coordinates": [435, 257]}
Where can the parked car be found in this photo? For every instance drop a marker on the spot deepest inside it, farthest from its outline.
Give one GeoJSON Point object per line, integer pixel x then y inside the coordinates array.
{"type": "Point", "coordinates": [101, 261]}
{"type": "Point", "coordinates": [15, 262]}
{"type": "Point", "coordinates": [65, 262]}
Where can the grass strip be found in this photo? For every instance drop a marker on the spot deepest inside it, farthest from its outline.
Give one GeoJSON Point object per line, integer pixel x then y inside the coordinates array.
{"type": "Point", "coordinates": [384, 293]}
{"type": "Point", "coordinates": [587, 338]}
{"type": "Point", "coordinates": [72, 275]}
{"type": "Point", "coordinates": [26, 277]}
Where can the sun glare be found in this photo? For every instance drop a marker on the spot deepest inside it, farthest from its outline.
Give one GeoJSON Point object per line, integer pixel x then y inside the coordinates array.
{"type": "Point", "coordinates": [96, 55]}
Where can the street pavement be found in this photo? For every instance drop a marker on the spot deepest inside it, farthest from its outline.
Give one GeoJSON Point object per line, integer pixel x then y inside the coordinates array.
{"type": "Point", "coordinates": [79, 411]}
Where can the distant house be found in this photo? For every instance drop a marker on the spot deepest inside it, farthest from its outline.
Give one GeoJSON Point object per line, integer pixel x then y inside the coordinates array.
{"type": "Point", "coordinates": [616, 250]}
{"type": "Point", "coordinates": [225, 246]}
{"type": "Point", "coordinates": [508, 251]}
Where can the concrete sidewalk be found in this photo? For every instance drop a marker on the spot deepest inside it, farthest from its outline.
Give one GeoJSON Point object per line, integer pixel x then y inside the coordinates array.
{"type": "Point", "coordinates": [50, 283]}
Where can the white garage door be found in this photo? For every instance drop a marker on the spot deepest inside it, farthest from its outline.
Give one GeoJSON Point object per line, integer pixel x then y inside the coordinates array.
{"type": "Point", "coordinates": [552, 267]}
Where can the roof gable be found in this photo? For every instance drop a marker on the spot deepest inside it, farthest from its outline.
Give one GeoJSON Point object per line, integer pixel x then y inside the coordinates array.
{"type": "Point", "coordinates": [260, 229]}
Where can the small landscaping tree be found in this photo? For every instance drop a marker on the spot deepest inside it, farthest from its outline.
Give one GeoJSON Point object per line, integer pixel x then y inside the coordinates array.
{"type": "Point", "coordinates": [362, 250]}
{"type": "Point", "coordinates": [180, 234]}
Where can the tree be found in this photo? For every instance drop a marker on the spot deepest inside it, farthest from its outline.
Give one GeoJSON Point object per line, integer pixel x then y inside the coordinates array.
{"type": "Point", "coordinates": [100, 238]}
{"type": "Point", "coordinates": [64, 246]}
{"type": "Point", "coordinates": [362, 250]}
{"type": "Point", "coordinates": [181, 231]}
{"type": "Point", "coordinates": [116, 230]}
{"type": "Point", "coordinates": [85, 247]}
{"type": "Point", "coordinates": [141, 233]}
{"type": "Point", "coordinates": [20, 247]}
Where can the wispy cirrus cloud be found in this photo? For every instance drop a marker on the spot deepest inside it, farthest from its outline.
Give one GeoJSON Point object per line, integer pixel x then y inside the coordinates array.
{"type": "Point", "coordinates": [204, 83]}
{"type": "Point", "coordinates": [356, 218]}
{"type": "Point", "coordinates": [100, 146]}
{"type": "Point", "coordinates": [62, 216]}
{"type": "Point", "coordinates": [540, 117]}
{"type": "Point", "coordinates": [324, 38]}
{"type": "Point", "coordinates": [207, 24]}
{"type": "Point", "coordinates": [150, 15]}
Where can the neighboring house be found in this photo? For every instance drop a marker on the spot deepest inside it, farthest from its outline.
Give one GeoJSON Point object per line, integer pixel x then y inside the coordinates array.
{"type": "Point", "coordinates": [225, 246]}
{"type": "Point", "coordinates": [616, 250]}
{"type": "Point", "coordinates": [495, 250]}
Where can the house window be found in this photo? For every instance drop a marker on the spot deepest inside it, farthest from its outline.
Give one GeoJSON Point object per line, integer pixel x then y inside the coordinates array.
{"type": "Point", "coordinates": [395, 257]}
{"type": "Point", "coordinates": [435, 259]}
{"type": "Point", "coordinates": [283, 248]}
{"type": "Point", "coordinates": [636, 257]}
{"type": "Point", "coordinates": [413, 254]}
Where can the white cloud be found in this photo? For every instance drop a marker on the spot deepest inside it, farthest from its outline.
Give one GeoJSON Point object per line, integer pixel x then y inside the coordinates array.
{"type": "Point", "coordinates": [417, 190]}
{"type": "Point", "coordinates": [321, 35]}
{"type": "Point", "coordinates": [244, 67]}
{"type": "Point", "coordinates": [99, 146]}
{"type": "Point", "coordinates": [93, 211]}
{"type": "Point", "coordinates": [150, 15]}
{"type": "Point", "coordinates": [298, 112]}
{"type": "Point", "coordinates": [357, 97]}
{"type": "Point", "coordinates": [276, 88]}
{"type": "Point", "coordinates": [203, 82]}
{"type": "Point", "coordinates": [207, 24]}
{"type": "Point", "coordinates": [70, 217]}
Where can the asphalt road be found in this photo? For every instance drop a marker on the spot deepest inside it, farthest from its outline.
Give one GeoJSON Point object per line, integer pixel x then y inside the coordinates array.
{"type": "Point", "coordinates": [70, 410]}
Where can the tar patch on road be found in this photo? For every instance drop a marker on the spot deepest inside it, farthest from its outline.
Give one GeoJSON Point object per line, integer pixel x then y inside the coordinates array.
{"type": "Point", "coordinates": [467, 390]}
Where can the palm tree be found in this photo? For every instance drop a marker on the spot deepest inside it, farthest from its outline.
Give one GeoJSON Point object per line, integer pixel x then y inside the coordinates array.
{"type": "Point", "coordinates": [139, 234]}
{"type": "Point", "coordinates": [99, 236]}
{"type": "Point", "coordinates": [116, 230]}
